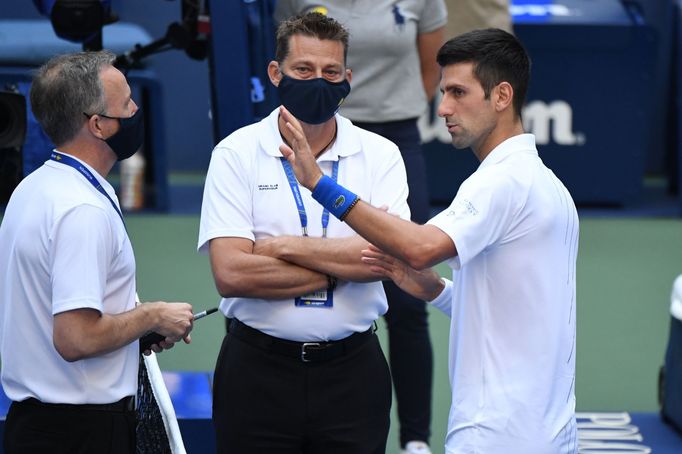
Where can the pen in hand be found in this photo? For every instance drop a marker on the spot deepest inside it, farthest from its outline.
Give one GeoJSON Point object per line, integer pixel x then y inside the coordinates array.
{"type": "Point", "coordinates": [203, 314]}
{"type": "Point", "coordinates": [152, 338]}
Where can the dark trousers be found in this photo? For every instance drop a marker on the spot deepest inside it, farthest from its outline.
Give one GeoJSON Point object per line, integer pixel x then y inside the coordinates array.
{"type": "Point", "coordinates": [35, 428]}
{"type": "Point", "coordinates": [265, 402]}
{"type": "Point", "coordinates": [410, 351]}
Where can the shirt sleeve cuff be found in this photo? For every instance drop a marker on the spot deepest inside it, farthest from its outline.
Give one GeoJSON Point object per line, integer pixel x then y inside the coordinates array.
{"type": "Point", "coordinates": [443, 301]}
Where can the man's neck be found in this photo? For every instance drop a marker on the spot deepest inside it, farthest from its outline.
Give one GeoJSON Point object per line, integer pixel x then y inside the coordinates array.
{"type": "Point", "coordinates": [496, 137]}
{"type": "Point", "coordinates": [92, 154]}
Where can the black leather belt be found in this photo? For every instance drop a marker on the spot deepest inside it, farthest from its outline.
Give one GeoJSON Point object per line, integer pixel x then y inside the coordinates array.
{"type": "Point", "coordinates": [126, 404]}
{"type": "Point", "coordinates": [303, 351]}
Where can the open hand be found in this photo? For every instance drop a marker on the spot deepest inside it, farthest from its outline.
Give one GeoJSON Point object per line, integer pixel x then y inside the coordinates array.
{"type": "Point", "coordinates": [425, 285]}
{"type": "Point", "coordinates": [299, 155]}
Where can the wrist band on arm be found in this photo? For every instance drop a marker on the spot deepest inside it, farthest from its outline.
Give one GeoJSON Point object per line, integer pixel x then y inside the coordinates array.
{"type": "Point", "coordinates": [334, 197]}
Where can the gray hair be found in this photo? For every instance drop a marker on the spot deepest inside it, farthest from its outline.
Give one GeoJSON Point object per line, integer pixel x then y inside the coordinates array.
{"type": "Point", "coordinates": [66, 87]}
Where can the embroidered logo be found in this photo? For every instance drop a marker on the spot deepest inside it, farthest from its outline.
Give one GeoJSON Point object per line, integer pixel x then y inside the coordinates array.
{"type": "Point", "coordinates": [339, 201]}
{"type": "Point", "coordinates": [463, 207]}
{"type": "Point", "coordinates": [267, 187]}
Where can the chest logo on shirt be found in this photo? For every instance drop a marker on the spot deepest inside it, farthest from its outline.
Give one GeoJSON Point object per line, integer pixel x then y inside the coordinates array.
{"type": "Point", "coordinates": [267, 187]}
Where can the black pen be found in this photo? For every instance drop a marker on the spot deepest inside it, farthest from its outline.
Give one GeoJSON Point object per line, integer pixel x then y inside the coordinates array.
{"type": "Point", "coordinates": [203, 314]}
{"type": "Point", "coordinates": [150, 339]}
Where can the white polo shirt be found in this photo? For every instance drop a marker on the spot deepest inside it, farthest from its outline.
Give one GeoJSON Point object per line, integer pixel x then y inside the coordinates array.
{"type": "Point", "coordinates": [512, 303]}
{"type": "Point", "coordinates": [62, 247]}
{"type": "Point", "coordinates": [247, 195]}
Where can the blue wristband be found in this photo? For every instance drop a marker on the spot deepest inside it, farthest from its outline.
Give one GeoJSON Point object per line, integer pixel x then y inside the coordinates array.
{"type": "Point", "coordinates": [334, 197]}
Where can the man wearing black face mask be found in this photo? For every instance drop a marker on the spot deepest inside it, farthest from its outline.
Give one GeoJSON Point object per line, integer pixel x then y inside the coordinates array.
{"type": "Point", "coordinates": [300, 369]}
{"type": "Point", "coordinates": [68, 321]}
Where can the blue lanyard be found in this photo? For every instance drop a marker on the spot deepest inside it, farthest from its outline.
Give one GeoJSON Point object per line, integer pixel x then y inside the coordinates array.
{"type": "Point", "coordinates": [293, 184]}
{"type": "Point", "coordinates": [71, 162]}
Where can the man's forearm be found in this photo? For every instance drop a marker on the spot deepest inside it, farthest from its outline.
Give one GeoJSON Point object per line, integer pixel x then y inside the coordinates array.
{"type": "Point", "coordinates": [339, 257]}
{"type": "Point", "coordinates": [257, 276]}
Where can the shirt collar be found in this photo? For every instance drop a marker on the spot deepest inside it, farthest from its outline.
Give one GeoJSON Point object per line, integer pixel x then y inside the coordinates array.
{"type": "Point", "coordinates": [347, 140]}
{"type": "Point", "coordinates": [522, 143]}
{"type": "Point", "coordinates": [105, 184]}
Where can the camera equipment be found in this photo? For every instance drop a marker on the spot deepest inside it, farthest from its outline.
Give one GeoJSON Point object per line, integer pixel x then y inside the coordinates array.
{"type": "Point", "coordinates": [80, 21]}
{"type": "Point", "coordinates": [12, 134]}
{"type": "Point", "coordinates": [12, 119]}
{"type": "Point", "coordinates": [188, 35]}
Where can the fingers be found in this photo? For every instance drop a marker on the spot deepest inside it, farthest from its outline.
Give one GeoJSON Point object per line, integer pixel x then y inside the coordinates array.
{"type": "Point", "coordinates": [176, 321]}
{"type": "Point", "coordinates": [289, 118]}
{"type": "Point", "coordinates": [288, 153]}
{"type": "Point", "coordinates": [372, 252]}
{"type": "Point", "coordinates": [373, 248]}
{"type": "Point", "coordinates": [377, 265]}
{"type": "Point", "coordinates": [292, 124]}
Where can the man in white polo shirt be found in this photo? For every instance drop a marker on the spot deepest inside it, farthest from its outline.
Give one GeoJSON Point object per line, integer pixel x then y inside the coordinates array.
{"type": "Point", "coordinates": [300, 369]}
{"type": "Point", "coordinates": [511, 239]}
{"type": "Point", "coordinates": [68, 321]}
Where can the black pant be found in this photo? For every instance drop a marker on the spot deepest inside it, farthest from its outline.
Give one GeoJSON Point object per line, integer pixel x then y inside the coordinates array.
{"type": "Point", "coordinates": [35, 428]}
{"type": "Point", "coordinates": [407, 319]}
{"type": "Point", "coordinates": [265, 402]}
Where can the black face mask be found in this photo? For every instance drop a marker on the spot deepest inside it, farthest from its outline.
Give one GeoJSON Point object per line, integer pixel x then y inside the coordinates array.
{"type": "Point", "coordinates": [130, 135]}
{"type": "Point", "coordinates": [312, 101]}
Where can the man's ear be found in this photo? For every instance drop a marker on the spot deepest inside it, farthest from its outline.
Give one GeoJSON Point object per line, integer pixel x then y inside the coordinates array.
{"type": "Point", "coordinates": [95, 127]}
{"type": "Point", "coordinates": [274, 73]}
{"type": "Point", "coordinates": [349, 75]}
{"type": "Point", "coordinates": [504, 96]}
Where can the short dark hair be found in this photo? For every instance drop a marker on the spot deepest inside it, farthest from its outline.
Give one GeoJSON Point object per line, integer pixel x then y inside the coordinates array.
{"type": "Point", "coordinates": [312, 24]}
{"type": "Point", "coordinates": [66, 87]}
{"type": "Point", "coordinates": [497, 57]}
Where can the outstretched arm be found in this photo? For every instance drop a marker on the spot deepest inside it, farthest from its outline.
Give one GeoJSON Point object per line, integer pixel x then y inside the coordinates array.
{"type": "Point", "coordinates": [420, 246]}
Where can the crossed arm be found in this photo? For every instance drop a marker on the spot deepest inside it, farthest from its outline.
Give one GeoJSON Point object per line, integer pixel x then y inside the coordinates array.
{"type": "Point", "coordinates": [286, 266]}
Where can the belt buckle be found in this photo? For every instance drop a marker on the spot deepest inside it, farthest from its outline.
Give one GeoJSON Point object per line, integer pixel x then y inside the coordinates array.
{"type": "Point", "coordinates": [304, 352]}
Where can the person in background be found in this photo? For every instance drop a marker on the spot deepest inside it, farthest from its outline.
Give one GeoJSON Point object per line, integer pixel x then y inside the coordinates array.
{"type": "Point", "coordinates": [300, 369]}
{"type": "Point", "coordinates": [467, 15]}
{"type": "Point", "coordinates": [393, 56]}
{"type": "Point", "coordinates": [68, 321]}
{"type": "Point", "coordinates": [511, 239]}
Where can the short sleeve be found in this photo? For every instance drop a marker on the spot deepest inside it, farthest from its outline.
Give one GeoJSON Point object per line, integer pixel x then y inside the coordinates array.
{"type": "Point", "coordinates": [82, 247]}
{"type": "Point", "coordinates": [226, 205]}
{"type": "Point", "coordinates": [434, 16]}
{"type": "Point", "coordinates": [479, 215]}
{"type": "Point", "coordinates": [443, 302]}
